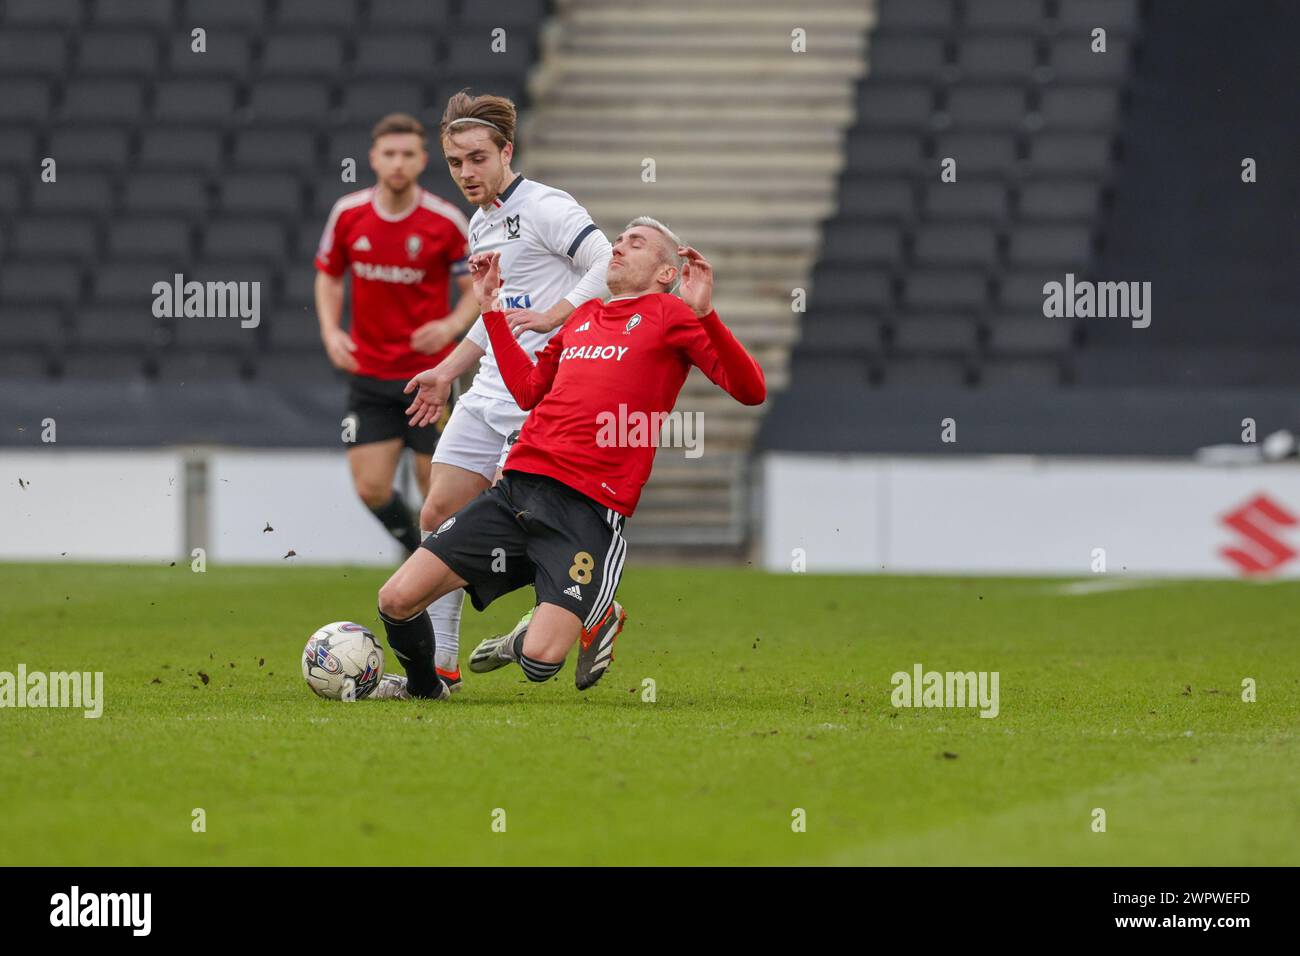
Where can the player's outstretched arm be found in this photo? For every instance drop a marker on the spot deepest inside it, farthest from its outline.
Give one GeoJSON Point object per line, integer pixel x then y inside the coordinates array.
{"type": "Point", "coordinates": [329, 312]}
{"type": "Point", "coordinates": [710, 345]}
{"type": "Point", "coordinates": [527, 381]}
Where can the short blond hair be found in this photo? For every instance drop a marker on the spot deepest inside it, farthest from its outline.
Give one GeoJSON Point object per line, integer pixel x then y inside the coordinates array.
{"type": "Point", "coordinates": [670, 257]}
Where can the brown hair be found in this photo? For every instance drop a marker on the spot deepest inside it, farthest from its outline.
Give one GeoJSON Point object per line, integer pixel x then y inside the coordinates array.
{"type": "Point", "coordinates": [398, 123]}
{"type": "Point", "coordinates": [486, 108]}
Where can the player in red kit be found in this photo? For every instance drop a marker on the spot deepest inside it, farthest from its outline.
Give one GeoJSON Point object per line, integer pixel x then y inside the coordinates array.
{"type": "Point", "coordinates": [403, 247]}
{"type": "Point", "coordinates": [555, 518]}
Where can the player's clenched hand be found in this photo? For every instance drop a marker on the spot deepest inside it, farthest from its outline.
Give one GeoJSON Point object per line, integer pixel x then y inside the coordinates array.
{"type": "Point", "coordinates": [485, 268]}
{"type": "Point", "coordinates": [431, 394]}
{"type": "Point", "coordinates": [524, 320]}
{"type": "Point", "coordinates": [432, 336]}
{"type": "Point", "coordinates": [696, 289]}
{"type": "Point", "coordinates": [339, 347]}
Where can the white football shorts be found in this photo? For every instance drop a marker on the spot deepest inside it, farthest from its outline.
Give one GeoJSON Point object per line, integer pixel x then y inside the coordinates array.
{"type": "Point", "coordinates": [476, 433]}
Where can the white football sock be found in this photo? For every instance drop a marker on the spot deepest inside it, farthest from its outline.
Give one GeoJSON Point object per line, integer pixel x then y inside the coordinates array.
{"type": "Point", "coordinates": [445, 615]}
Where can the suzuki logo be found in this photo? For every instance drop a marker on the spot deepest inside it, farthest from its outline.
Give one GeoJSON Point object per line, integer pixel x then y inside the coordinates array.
{"type": "Point", "coordinates": [1261, 552]}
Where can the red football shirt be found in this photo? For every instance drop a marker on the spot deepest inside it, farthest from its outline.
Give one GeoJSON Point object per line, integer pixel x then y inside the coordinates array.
{"type": "Point", "coordinates": [600, 384]}
{"type": "Point", "coordinates": [401, 270]}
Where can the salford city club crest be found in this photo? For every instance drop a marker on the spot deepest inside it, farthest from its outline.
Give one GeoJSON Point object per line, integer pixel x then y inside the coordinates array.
{"type": "Point", "coordinates": [413, 246]}
{"type": "Point", "coordinates": [632, 323]}
{"type": "Point", "coordinates": [512, 227]}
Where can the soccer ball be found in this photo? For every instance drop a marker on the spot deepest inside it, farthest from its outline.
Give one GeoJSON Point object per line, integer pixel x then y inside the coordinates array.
{"type": "Point", "coordinates": [343, 661]}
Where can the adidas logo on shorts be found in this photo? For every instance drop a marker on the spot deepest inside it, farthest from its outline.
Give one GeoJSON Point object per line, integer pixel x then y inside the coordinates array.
{"type": "Point", "coordinates": [574, 592]}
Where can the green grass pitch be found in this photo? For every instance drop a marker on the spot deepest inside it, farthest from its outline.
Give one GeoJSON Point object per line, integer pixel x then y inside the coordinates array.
{"type": "Point", "coordinates": [772, 693]}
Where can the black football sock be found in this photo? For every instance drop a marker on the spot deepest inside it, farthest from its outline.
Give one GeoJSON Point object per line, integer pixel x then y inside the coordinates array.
{"type": "Point", "coordinates": [412, 642]}
{"type": "Point", "coordinates": [396, 518]}
{"type": "Point", "coordinates": [538, 671]}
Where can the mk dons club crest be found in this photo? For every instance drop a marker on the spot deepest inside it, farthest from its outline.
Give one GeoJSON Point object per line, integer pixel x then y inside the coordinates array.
{"type": "Point", "coordinates": [413, 246]}
{"type": "Point", "coordinates": [632, 323]}
{"type": "Point", "coordinates": [512, 227]}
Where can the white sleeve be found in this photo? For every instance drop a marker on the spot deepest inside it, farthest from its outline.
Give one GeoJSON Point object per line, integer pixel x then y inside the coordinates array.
{"type": "Point", "coordinates": [563, 224]}
{"type": "Point", "coordinates": [592, 256]}
{"type": "Point", "coordinates": [478, 334]}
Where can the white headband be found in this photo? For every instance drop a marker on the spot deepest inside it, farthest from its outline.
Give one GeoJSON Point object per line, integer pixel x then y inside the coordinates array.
{"type": "Point", "coordinates": [470, 119]}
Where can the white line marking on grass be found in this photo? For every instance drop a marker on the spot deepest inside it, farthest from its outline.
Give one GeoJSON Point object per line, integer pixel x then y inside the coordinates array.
{"type": "Point", "coordinates": [1084, 588]}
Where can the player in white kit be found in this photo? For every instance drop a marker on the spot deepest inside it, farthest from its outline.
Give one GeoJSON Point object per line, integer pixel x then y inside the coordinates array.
{"type": "Point", "coordinates": [553, 258]}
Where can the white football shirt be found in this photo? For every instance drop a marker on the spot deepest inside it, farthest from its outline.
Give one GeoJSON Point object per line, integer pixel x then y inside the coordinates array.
{"type": "Point", "coordinates": [537, 230]}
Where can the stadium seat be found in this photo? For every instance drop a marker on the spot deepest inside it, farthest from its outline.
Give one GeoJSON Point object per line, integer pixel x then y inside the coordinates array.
{"type": "Point", "coordinates": [1051, 245]}
{"type": "Point", "coordinates": [128, 283]}
{"type": "Point", "coordinates": [870, 152]}
{"type": "Point", "coordinates": [1030, 334]}
{"type": "Point", "coordinates": [294, 367]}
{"type": "Point", "coordinates": [66, 14]}
{"type": "Point", "coordinates": [1082, 108]}
{"type": "Point", "coordinates": [338, 15]}
{"type": "Point", "coordinates": [1116, 16]}
{"type": "Point", "coordinates": [17, 148]}
{"type": "Point", "coordinates": [400, 55]}
{"type": "Point", "coordinates": [161, 240]}
{"type": "Point", "coordinates": [103, 365]}
{"type": "Point", "coordinates": [830, 371]}
{"type": "Point", "coordinates": [1006, 16]}
{"type": "Point", "coordinates": [949, 244]}
{"type": "Point", "coordinates": [288, 103]}
{"type": "Point", "coordinates": [39, 282]}
{"type": "Point", "coordinates": [1023, 291]}
{"type": "Point", "coordinates": [872, 198]}
{"type": "Point", "coordinates": [901, 57]}
{"type": "Point", "coordinates": [303, 55]}
{"type": "Point", "coordinates": [200, 366]}
{"type": "Point", "coordinates": [133, 55]}
{"type": "Point", "coordinates": [33, 328]}
{"type": "Point", "coordinates": [10, 193]}
{"type": "Point", "coordinates": [94, 147]}
{"type": "Point", "coordinates": [225, 56]}
{"type": "Point", "coordinates": [24, 101]}
{"type": "Point", "coordinates": [831, 333]}
{"type": "Point", "coordinates": [914, 16]}
{"type": "Point", "coordinates": [1069, 154]}
{"type": "Point", "coordinates": [299, 292]}
{"type": "Point", "coordinates": [211, 334]}
{"type": "Point", "coordinates": [72, 238]}
{"type": "Point", "coordinates": [844, 289]}
{"type": "Point", "coordinates": [1020, 373]}
{"type": "Point", "coordinates": [470, 52]}
{"type": "Point", "coordinates": [227, 238]}
{"type": "Point", "coordinates": [102, 101]}
{"type": "Point", "coordinates": [276, 195]}
{"type": "Point", "coordinates": [971, 199]}
{"type": "Point", "coordinates": [988, 154]}
{"type": "Point", "coordinates": [417, 15]}
{"type": "Point", "coordinates": [204, 103]}
{"type": "Point", "coordinates": [1059, 200]}
{"type": "Point", "coordinates": [156, 14]}
{"type": "Point", "coordinates": [1073, 60]}
{"type": "Point", "coordinates": [367, 102]}
{"type": "Point", "coordinates": [935, 335]}
{"type": "Point", "coordinates": [244, 16]}
{"type": "Point", "coordinates": [525, 14]}
{"type": "Point", "coordinates": [997, 58]}
{"type": "Point", "coordinates": [77, 192]}
{"type": "Point", "coordinates": [858, 242]}
{"type": "Point", "coordinates": [895, 107]}
{"type": "Point", "coordinates": [166, 193]}
{"type": "Point", "coordinates": [945, 289]}
{"type": "Point", "coordinates": [181, 148]}
{"type": "Point", "coordinates": [986, 107]}
{"type": "Point", "coordinates": [31, 54]}
{"type": "Point", "coordinates": [927, 372]}
{"type": "Point", "coordinates": [101, 327]}
{"type": "Point", "coordinates": [293, 150]}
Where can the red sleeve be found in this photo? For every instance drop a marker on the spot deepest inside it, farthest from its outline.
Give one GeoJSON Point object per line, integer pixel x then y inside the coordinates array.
{"type": "Point", "coordinates": [527, 381]}
{"type": "Point", "coordinates": [712, 348]}
{"type": "Point", "coordinates": [332, 255]}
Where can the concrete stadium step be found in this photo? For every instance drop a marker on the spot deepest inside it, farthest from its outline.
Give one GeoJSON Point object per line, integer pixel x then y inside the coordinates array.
{"type": "Point", "coordinates": [648, 111]}
{"type": "Point", "coordinates": [557, 88]}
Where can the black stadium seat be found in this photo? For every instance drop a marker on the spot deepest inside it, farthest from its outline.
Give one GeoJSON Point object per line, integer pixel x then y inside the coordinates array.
{"type": "Point", "coordinates": [366, 102]}
{"type": "Point", "coordinates": [967, 198]}
{"type": "Point", "coordinates": [901, 57]}
{"type": "Point", "coordinates": [276, 195]}
{"type": "Point", "coordinates": [132, 55]}
{"type": "Point", "coordinates": [396, 55]}
{"type": "Point", "coordinates": [244, 16]}
{"type": "Point", "coordinates": [162, 240]}
{"type": "Point", "coordinates": [1006, 16]}
{"type": "Point", "coordinates": [103, 101]}
{"type": "Point", "coordinates": [24, 101]}
{"type": "Point", "coordinates": [417, 15]}
{"type": "Point", "coordinates": [66, 14]}
{"type": "Point", "coordinates": [31, 54]}
{"type": "Point", "coordinates": [276, 149]}
{"type": "Point", "coordinates": [225, 55]}
{"type": "Point", "coordinates": [319, 55]}
{"type": "Point", "coordinates": [181, 148]}
{"type": "Point", "coordinates": [69, 238]}
{"type": "Point", "coordinates": [183, 194]}
{"type": "Point", "coordinates": [138, 13]}
{"type": "Point", "coordinates": [39, 281]}
{"type": "Point", "coordinates": [288, 103]}
{"type": "Point", "coordinates": [338, 15]}
{"type": "Point", "coordinates": [200, 102]}
{"type": "Point", "coordinates": [76, 192]}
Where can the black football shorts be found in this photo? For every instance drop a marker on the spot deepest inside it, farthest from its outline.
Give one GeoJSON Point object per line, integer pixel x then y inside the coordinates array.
{"type": "Point", "coordinates": [531, 529]}
{"type": "Point", "coordinates": [377, 409]}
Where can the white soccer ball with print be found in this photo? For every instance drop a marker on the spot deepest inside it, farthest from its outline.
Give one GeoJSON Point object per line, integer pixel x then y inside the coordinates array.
{"type": "Point", "coordinates": [343, 661]}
